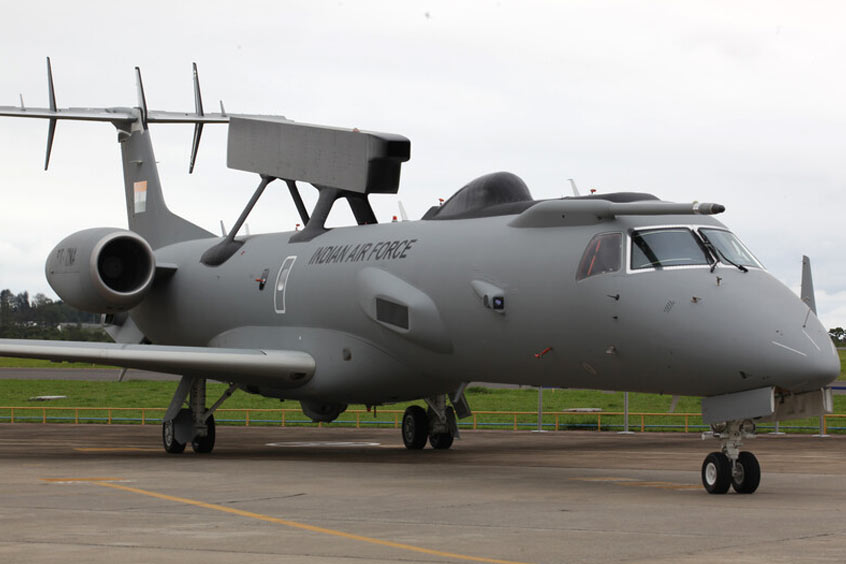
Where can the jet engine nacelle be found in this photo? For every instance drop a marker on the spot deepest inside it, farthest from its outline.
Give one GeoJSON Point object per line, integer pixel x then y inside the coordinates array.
{"type": "Point", "coordinates": [101, 270]}
{"type": "Point", "coordinates": [322, 412]}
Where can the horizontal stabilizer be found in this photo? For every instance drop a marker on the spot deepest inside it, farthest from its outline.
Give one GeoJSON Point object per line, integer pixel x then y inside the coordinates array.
{"type": "Point", "coordinates": [281, 369]}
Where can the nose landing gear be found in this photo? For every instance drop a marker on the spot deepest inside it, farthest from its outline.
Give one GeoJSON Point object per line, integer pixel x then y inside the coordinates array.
{"type": "Point", "coordinates": [731, 467]}
{"type": "Point", "coordinates": [437, 424]}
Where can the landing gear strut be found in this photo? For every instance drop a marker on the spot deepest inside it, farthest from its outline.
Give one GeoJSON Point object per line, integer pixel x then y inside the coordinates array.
{"type": "Point", "coordinates": [731, 466]}
{"type": "Point", "coordinates": [195, 424]}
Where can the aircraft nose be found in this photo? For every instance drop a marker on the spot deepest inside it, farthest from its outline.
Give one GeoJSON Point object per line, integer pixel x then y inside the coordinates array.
{"type": "Point", "coordinates": [755, 333]}
{"type": "Point", "coordinates": [800, 354]}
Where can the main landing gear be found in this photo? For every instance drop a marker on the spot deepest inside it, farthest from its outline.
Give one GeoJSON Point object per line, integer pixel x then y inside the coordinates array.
{"type": "Point", "coordinates": [437, 424]}
{"type": "Point", "coordinates": [194, 424]}
{"type": "Point", "coordinates": [731, 466]}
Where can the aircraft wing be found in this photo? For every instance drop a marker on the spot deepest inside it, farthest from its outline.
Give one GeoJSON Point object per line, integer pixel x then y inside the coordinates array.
{"type": "Point", "coordinates": [277, 367]}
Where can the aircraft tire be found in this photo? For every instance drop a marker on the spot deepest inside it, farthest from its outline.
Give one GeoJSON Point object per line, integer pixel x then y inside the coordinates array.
{"type": "Point", "coordinates": [171, 445]}
{"type": "Point", "coordinates": [441, 441]}
{"type": "Point", "coordinates": [204, 445]}
{"type": "Point", "coordinates": [716, 473]}
{"type": "Point", "coordinates": [748, 475]}
{"type": "Point", "coordinates": [415, 427]}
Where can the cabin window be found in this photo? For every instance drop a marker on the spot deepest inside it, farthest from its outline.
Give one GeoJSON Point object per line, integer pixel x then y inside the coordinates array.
{"type": "Point", "coordinates": [667, 247]}
{"type": "Point", "coordinates": [282, 284]}
{"type": "Point", "coordinates": [728, 247]}
{"type": "Point", "coordinates": [603, 254]}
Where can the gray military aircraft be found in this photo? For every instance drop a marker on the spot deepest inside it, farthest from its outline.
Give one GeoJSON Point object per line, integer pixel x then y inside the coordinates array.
{"type": "Point", "coordinates": [618, 291]}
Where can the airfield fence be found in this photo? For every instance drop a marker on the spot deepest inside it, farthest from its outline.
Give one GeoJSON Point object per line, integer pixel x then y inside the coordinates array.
{"type": "Point", "coordinates": [386, 418]}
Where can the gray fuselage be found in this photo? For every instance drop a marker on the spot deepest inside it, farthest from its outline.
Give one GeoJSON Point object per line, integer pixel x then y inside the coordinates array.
{"type": "Point", "coordinates": [677, 330]}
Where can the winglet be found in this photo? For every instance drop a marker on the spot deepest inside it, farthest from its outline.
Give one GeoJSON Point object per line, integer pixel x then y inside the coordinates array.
{"type": "Point", "coordinates": [198, 127]}
{"type": "Point", "coordinates": [808, 284]}
{"type": "Point", "coordinates": [142, 99]}
{"type": "Point", "coordinates": [51, 128]}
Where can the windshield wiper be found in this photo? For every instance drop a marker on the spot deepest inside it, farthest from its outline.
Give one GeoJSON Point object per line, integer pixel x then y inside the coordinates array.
{"type": "Point", "coordinates": [720, 256]}
{"type": "Point", "coordinates": [725, 259]}
{"type": "Point", "coordinates": [714, 253]}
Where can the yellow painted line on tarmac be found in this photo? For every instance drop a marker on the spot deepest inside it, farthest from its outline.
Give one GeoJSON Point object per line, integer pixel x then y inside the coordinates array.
{"type": "Point", "coordinates": [661, 485]}
{"type": "Point", "coordinates": [639, 483]}
{"type": "Point", "coordinates": [604, 479]}
{"type": "Point", "coordinates": [74, 480]}
{"type": "Point", "coordinates": [108, 483]}
{"type": "Point", "coordinates": [116, 449]}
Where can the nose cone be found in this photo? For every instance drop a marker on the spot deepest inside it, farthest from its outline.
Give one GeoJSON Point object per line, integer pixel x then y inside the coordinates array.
{"type": "Point", "coordinates": [725, 332]}
{"type": "Point", "coordinates": [782, 342]}
{"type": "Point", "coordinates": [816, 364]}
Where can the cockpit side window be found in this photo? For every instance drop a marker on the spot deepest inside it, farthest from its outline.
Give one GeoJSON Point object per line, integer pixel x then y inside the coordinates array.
{"type": "Point", "coordinates": [729, 248]}
{"type": "Point", "coordinates": [603, 254]}
{"type": "Point", "coordinates": [667, 247]}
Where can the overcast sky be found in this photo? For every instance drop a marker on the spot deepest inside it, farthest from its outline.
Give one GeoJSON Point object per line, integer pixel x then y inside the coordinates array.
{"type": "Point", "coordinates": [742, 103]}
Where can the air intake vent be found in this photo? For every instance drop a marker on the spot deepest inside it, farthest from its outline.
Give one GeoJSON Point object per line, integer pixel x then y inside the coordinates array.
{"type": "Point", "coordinates": [391, 313]}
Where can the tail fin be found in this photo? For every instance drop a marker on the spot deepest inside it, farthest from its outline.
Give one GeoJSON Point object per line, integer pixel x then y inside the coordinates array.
{"type": "Point", "coordinates": [146, 210]}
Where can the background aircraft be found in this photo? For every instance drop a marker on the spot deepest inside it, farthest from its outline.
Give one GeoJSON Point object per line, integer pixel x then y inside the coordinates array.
{"type": "Point", "coordinates": [615, 291]}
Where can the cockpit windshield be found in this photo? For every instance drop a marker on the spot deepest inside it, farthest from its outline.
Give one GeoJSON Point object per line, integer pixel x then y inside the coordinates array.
{"type": "Point", "coordinates": [729, 248]}
{"type": "Point", "coordinates": [667, 247]}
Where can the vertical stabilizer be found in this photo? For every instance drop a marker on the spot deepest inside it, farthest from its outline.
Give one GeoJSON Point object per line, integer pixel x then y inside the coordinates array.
{"type": "Point", "coordinates": [808, 285]}
{"type": "Point", "coordinates": [145, 206]}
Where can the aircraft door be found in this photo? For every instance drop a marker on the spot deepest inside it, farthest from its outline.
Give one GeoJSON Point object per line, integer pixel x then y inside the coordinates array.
{"type": "Point", "coordinates": [598, 297]}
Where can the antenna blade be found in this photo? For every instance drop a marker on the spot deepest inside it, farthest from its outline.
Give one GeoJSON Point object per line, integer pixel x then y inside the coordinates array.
{"type": "Point", "coordinates": [195, 146]}
{"type": "Point", "coordinates": [222, 109]}
{"type": "Point", "coordinates": [222, 229]}
{"type": "Point", "coordinates": [51, 100]}
{"type": "Point", "coordinates": [142, 99]}
{"type": "Point", "coordinates": [51, 131]}
{"type": "Point", "coordinates": [22, 102]}
{"type": "Point", "coordinates": [573, 186]}
{"type": "Point", "coordinates": [198, 127]}
{"type": "Point", "coordinates": [51, 93]}
{"type": "Point", "coordinates": [198, 98]}
{"type": "Point", "coordinates": [403, 215]}
{"type": "Point", "coordinates": [808, 285]}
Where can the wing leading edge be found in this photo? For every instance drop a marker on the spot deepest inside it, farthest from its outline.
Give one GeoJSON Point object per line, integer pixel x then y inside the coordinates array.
{"type": "Point", "coordinates": [288, 369]}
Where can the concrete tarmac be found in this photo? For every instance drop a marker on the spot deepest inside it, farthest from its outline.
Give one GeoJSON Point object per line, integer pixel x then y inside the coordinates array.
{"type": "Point", "coordinates": [95, 493]}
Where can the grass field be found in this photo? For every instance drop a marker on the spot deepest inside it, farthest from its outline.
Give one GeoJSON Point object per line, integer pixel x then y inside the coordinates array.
{"type": "Point", "coordinates": [131, 396]}
{"type": "Point", "coordinates": [137, 394]}
{"type": "Point", "coordinates": [7, 362]}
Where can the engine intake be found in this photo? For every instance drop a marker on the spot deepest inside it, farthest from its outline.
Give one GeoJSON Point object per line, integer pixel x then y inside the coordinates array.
{"type": "Point", "coordinates": [101, 270]}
